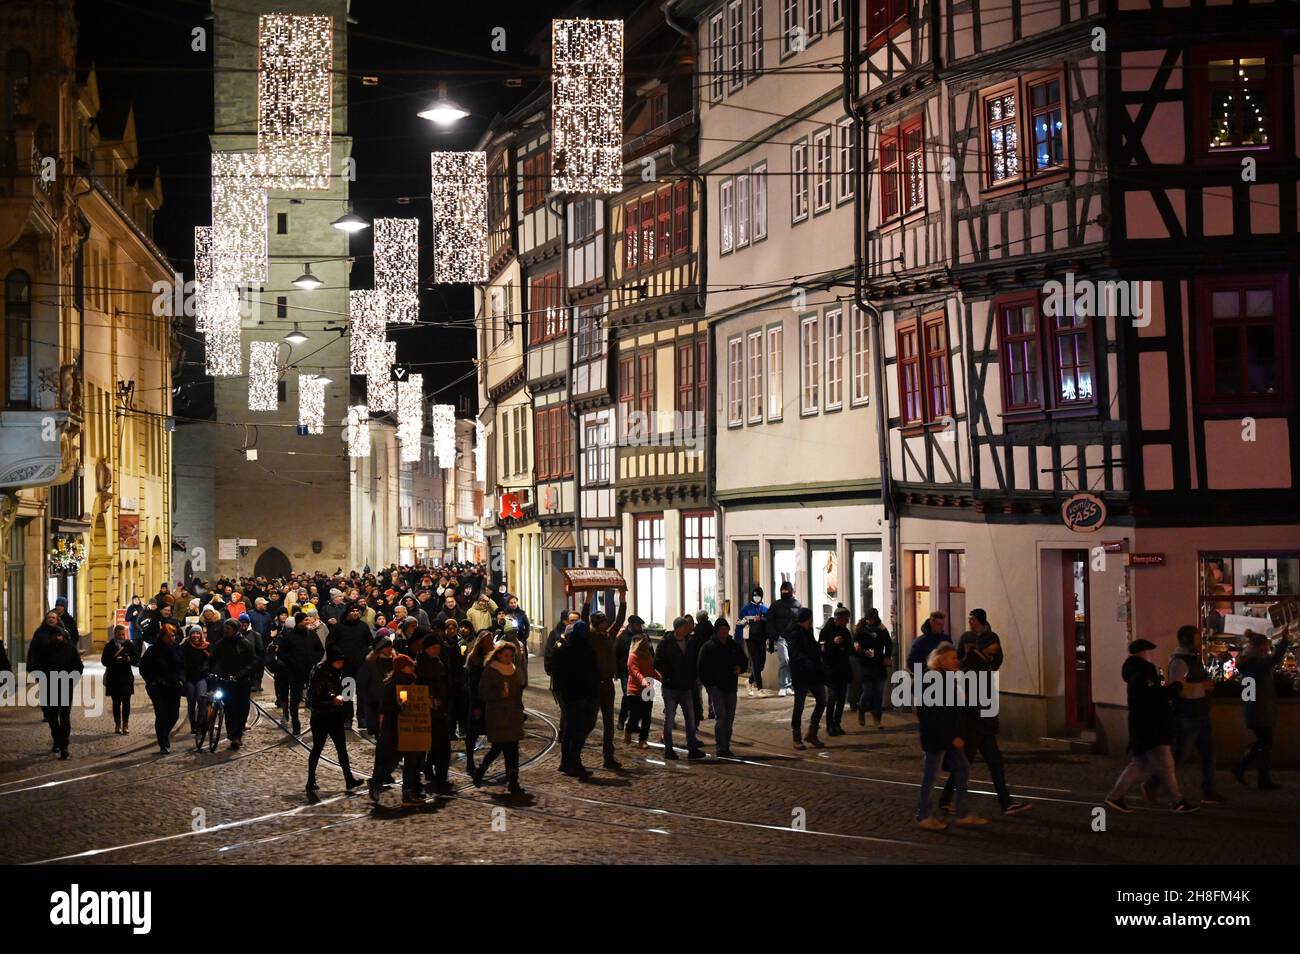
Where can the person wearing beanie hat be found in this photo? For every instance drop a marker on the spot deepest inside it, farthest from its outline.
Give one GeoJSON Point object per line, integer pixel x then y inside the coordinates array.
{"type": "Point", "coordinates": [236, 607]}
{"type": "Point", "coordinates": [66, 620]}
{"type": "Point", "coordinates": [1151, 727]}
{"type": "Point", "coordinates": [780, 620]}
{"type": "Point", "coordinates": [721, 661]}
{"type": "Point", "coordinates": [751, 627]}
{"type": "Point", "coordinates": [300, 650]}
{"type": "Point", "coordinates": [330, 711]}
{"type": "Point", "coordinates": [808, 675]}
{"type": "Point", "coordinates": [370, 684]}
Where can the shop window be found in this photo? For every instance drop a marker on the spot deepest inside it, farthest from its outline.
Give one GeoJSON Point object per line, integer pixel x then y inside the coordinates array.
{"type": "Point", "coordinates": [952, 566]}
{"type": "Point", "coordinates": [651, 578]}
{"type": "Point", "coordinates": [1243, 593]}
{"type": "Point", "coordinates": [699, 570]}
{"type": "Point", "coordinates": [866, 572]}
{"type": "Point", "coordinates": [1243, 334]}
{"type": "Point", "coordinates": [823, 579]}
{"type": "Point", "coordinates": [785, 567]}
{"type": "Point", "coordinates": [917, 565]}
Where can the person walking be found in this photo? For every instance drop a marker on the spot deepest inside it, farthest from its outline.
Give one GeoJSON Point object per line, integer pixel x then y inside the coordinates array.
{"type": "Point", "coordinates": [554, 641]}
{"type": "Point", "coordinates": [58, 665]}
{"type": "Point", "coordinates": [622, 649]}
{"type": "Point", "coordinates": [163, 673]}
{"type": "Point", "coordinates": [195, 659]}
{"type": "Point", "coordinates": [678, 666]}
{"type": "Point", "coordinates": [940, 725]}
{"type": "Point", "coordinates": [1260, 709]}
{"type": "Point", "coordinates": [1151, 727]}
{"type": "Point", "coordinates": [501, 693]}
{"type": "Point", "coordinates": [721, 661]}
{"type": "Point", "coordinates": [371, 679]}
{"type": "Point", "coordinates": [232, 663]}
{"type": "Point", "coordinates": [752, 628]}
{"type": "Point", "coordinates": [432, 672]}
{"type": "Point", "coordinates": [874, 650]}
{"type": "Point", "coordinates": [576, 675]}
{"type": "Point", "coordinates": [474, 663]}
{"type": "Point", "coordinates": [778, 622]}
{"type": "Point", "coordinates": [325, 699]}
{"type": "Point", "coordinates": [932, 635]}
{"type": "Point", "coordinates": [387, 753]}
{"type": "Point", "coordinates": [837, 649]}
{"type": "Point", "coordinates": [301, 649]}
{"type": "Point", "coordinates": [119, 655]}
{"type": "Point", "coordinates": [640, 689]}
{"type": "Point", "coordinates": [602, 633]}
{"type": "Point", "coordinates": [808, 675]}
{"type": "Point", "coordinates": [1192, 710]}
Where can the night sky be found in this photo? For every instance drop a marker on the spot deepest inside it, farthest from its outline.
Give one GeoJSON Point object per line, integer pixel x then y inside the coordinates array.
{"type": "Point", "coordinates": [142, 52]}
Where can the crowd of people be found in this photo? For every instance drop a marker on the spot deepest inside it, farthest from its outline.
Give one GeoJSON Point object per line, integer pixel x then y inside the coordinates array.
{"type": "Point", "coordinates": [352, 647]}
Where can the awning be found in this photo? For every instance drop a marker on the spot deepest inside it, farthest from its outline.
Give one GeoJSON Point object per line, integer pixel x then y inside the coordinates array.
{"type": "Point", "coordinates": [557, 540]}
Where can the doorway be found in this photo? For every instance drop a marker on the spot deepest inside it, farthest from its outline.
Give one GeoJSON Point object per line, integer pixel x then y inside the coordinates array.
{"type": "Point", "coordinates": [748, 574]}
{"type": "Point", "coordinates": [1079, 710]}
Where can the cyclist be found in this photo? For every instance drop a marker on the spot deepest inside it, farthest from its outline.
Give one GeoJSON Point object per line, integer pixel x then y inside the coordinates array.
{"type": "Point", "coordinates": [233, 661]}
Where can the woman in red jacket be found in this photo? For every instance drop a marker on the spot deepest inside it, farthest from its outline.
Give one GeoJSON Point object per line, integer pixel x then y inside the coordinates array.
{"type": "Point", "coordinates": [640, 693]}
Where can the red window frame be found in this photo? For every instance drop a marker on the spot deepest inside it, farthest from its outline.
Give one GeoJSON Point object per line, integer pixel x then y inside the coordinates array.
{"type": "Point", "coordinates": [890, 200]}
{"type": "Point", "coordinates": [1041, 347]}
{"type": "Point", "coordinates": [1281, 401]}
{"type": "Point", "coordinates": [536, 172]}
{"type": "Point", "coordinates": [685, 381]}
{"type": "Point", "coordinates": [542, 443]}
{"type": "Point", "coordinates": [648, 250]}
{"type": "Point", "coordinates": [911, 139]}
{"type": "Point", "coordinates": [885, 19]}
{"type": "Point", "coordinates": [664, 243]}
{"type": "Point", "coordinates": [695, 553]}
{"type": "Point", "coordinates": [911, 404]}
{"type": "Point", "coordinates": [645, 385]}
{"type": "Point", "coordinates": [702, 380]}
{"type": "Point", "coordinates": [938, 371]}
{"type": "Point", "coordinates": [1198, 72]}
{"type": "Point", "coordinates": [631, 237]}
{"type": "Point", "coordinates": [626, 387]}
{"type": "Point", "coordinates": [1028, 173]}
{"type": "Point", "coordinates": [681, 217]}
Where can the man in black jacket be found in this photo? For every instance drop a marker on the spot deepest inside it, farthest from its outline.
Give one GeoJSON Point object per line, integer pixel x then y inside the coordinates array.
{"type": "Point", "coordinates": [779, 619]}
{"type": "Point", "coordinates": [164, 679]}
{"type": "Point", "coordinates": [575, 676]}
{"type": "Point", "coordinates": [677, 660]}
{"type": "Point", "coordinates": [327, 698]}
{"type": "Point", "coordinates": [722, 660]}
{"type": "Point", "coordinates": [233, 662]}
{"type": "Point", "coordinates": [1151, 728]}
{"type": "Point", "coordinates": [873, 649]}
{"type": "Point", "coordinates": [55, 659]}
{"type": "Point", "coordinates": [808, 673]}
{"type": "Point", "coordinates": [300, 650]}
{"type": "Point", "coordinates": [837, 646]}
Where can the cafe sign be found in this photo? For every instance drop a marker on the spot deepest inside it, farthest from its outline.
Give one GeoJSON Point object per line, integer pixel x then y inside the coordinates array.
{"type": "Point", "coordinates": [1084, 513]}
{"type": "Point", "coordinates": [583, 579]}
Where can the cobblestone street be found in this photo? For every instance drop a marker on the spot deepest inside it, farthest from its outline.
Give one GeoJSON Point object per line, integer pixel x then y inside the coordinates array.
{"type": "Point", "coordinates": [118, 802]}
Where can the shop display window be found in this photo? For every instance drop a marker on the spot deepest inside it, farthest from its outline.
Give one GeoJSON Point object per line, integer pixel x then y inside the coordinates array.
{"type": "Point", "coordinates": [1241, 593]}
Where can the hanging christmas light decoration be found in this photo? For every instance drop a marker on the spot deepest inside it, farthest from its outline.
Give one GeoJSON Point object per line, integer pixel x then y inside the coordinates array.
{"type": "Point", "coordinates": [366, 325]}
{"type": "Point", "coordinates": [202, 274]}
{"type": "Point", "coordinates": [311, 403]}
{"type": "Point", "coordinates": [358, 431]}
{"type": "Point", "coordinates": [221, 340]}
{"type": "Point", "coordinates": [381, 389]}
{"type": "Point", "coordinates": [239, 234]}
{"type": "Point", "coordinates": [480, 452]}
{"type": "Point", "coordinates": [410, 416]}
{"type": "Point", "coordinates": [443, 417]}
{"type": "Point", "coordinates": [295, 88]}
{"type": "Point", "coordinates": [459, 216]}
{"type": "Point", "coordinates": [397, 269]}
{"type": "Point", "coordinates": [263, 375]}
{"type": "Point", "coordinates": [587, 106]}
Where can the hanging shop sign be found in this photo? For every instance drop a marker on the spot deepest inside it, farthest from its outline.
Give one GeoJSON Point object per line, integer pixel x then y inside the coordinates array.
{"type": "Point", "coordinates": [1084, 513]}
{"type": "Point", "coordinates": [583, 579]}
{"type": "Point", "coordinates": [1146, 559]}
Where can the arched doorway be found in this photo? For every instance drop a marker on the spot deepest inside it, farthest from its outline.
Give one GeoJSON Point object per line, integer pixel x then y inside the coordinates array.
{"type": "Point", "coordinates": [272, 564]}
{"type": "Point", "coordinates": [157, 571]}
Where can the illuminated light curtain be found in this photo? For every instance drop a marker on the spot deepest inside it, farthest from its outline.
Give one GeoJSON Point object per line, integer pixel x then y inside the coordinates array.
{"type": "Point", "coordinates": [239, 215]}
{"type": "Point", "coordinates": [311, 403]}
{"type": "Point", "coordinates": [223, 356]}
{"type": "Point", "coordinates": [263, 375]}
{"type": "Point", "coordinates": [410, 417]}
{"type": "Point", "coordinates": [480, 452]}
{"type": "Point", "coordinates": [366, 325]}
{"type": "Point", "coordinates": [295, 90]}
{"type": "Point", "coordinates": [587, 106]}
{"type": "Point", "coordinates": [443, 417]}
{"type": "Point", "coordinates": [358, 431]}
{"type": "Point", "coordinates": [202, 274]}
{"type": "Point", "coordinates": [397, 269]}
{"type": "Point", "coordinates": [381, 389]}
{"type": "Point", "coordinates": [460, 196]}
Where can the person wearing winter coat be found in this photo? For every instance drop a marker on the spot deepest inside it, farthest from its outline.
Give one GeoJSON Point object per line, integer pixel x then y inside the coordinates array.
{"type": "Point", "coordinates": [483, 613]}
{"type": "Point", "coordinates": [387, 754]}
{"type": "Point", "coordinates": [554, 641]}
{"type": "Point", "coordinates": [370, 683]}
{"type": "Point", "coordinates": [874, 650]}
{"type": "Point", "coordinates": [163, 673]}
{"type": "Point", "coordinates": [515, 612]}
{"type": "Point", "coordinates": [300, 650]}
{"type": "Point", "coordinates": [1257, 663]}
{"type": "Point", "coordinates": [575, 672]}
{"type": "Point", "coordinates": [602, 633]}
{"type": "Point", "coordinates": [353, 637]}
{"type": "Point", "coordinates": [58, 664]}
{"type": "Point", "coordinates": [232, 663]}
{"type": "Point", "coordinates": [66, 620]}
{"type": "Point", "coordinates": [808, 674]}
{"type": "Point", "coordinates": [119, 655]}
{"type": "Point", "coordinates": [942, 744]}
{"type": "Point", "coordinates": [721, 661]}
{"type": "Point", "coordinates": [1192, 710]}
{"type": "Point", "coordinates": [196, 657]}
{"type": "Point", "coordinates": [677, 660]}
{"type": "Point", "coordinates": [932, 635]}
{"type": "Point", "coordinates": [752, 628]}
{"type": "Point", "coordinates": [326, 699]}
{"type": "Point", "coordinates": [1151, 727]}
{"type": "Point", "coordinates": [431, 670]}
{"type": "Point", "coordinates": [622, 647]}
{"type": "Point", "coordinates": [837, 648]}
{"type": "Point", "coordinates": [133, 617]}
{"type": "Point", "coordinates": [502, 695]}
{"type": "Point", "coordinates": [779, 619]}
{"type": "Point", "coordinates": [474, 664]}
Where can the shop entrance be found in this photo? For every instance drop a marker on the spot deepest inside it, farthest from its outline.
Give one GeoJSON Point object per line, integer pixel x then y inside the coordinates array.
{"type": "Point", "coordinates": [1079, 712]}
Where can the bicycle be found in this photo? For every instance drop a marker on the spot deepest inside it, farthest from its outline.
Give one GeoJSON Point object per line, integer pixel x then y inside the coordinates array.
{"type": "Point", "coordinates": [214, 709]}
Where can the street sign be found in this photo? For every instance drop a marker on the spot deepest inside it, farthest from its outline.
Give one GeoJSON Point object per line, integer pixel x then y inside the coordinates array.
{"type": "Point", "coordinates": [1146, 559]}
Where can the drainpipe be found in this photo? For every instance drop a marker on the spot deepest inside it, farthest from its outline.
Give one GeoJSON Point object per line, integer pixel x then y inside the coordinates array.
{"type": "Point", "coordinates": [852, 28]}
{"type": "Point", "coordinates": [557, 208]}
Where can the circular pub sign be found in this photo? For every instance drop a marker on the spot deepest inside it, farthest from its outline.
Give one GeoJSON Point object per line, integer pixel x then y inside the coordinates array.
{"type": "Point", "coordinates": [1084, 513]}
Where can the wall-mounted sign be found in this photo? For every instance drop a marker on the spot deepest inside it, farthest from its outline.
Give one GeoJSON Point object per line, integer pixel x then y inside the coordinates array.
{"type": "Point", "coordinates": [582, 579]}
{"type": "Point", "coordinates": [510, 506]}
{"type": "Point", "coordinates": [128, 531]}
{"type": "Point", "coordinates": [1084, 513]}
{"type": "Point", "coordinates": [1114, 546]}
{"type": "Point", "coordinates": [1146, 559]}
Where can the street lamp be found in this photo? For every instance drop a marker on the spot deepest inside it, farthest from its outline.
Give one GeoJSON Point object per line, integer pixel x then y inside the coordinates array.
{"type": "Point", "coordinates": [443, 110]}
{"type": "Point", "coordinates": [307, 281]}
{"type": "Point", "coordinates": [349, 221]}
{"type": "Point", "coordinates": [295, 337]}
